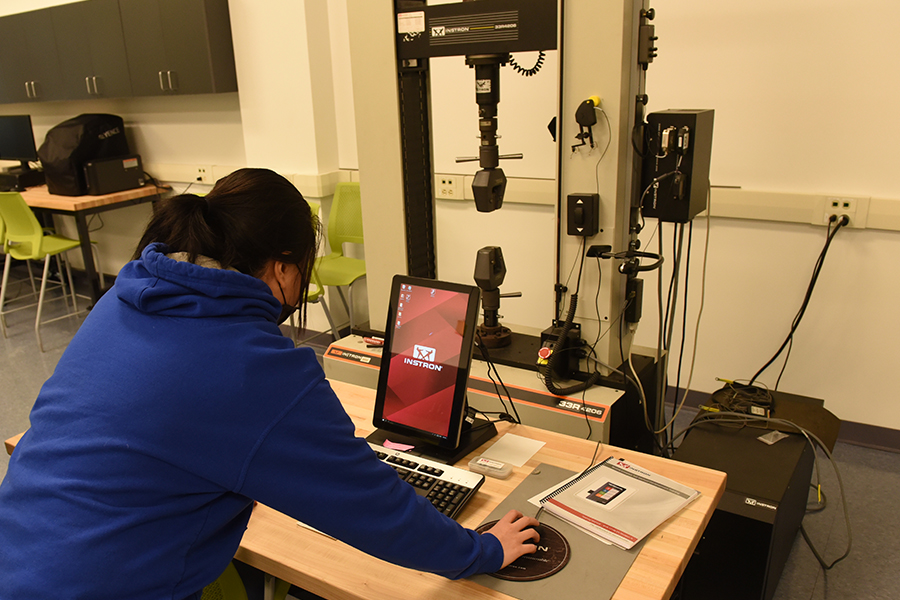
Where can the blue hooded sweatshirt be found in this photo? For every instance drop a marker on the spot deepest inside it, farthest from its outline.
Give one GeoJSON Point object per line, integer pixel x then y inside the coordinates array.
{"type": "Point", "coordinates": [177, 404]}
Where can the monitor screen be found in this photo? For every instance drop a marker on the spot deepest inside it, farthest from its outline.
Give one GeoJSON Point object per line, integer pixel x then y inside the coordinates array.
{"type": "Point", "coordinates": [17, 139]}
{"type": "Point", "coordinates": [426, 358]}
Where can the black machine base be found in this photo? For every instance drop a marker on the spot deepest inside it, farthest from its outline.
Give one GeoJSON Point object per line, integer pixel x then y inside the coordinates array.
{"type": "Point", "coordinates": [750, 535]}
{"type": "Point", "coordinates": [472, 437]}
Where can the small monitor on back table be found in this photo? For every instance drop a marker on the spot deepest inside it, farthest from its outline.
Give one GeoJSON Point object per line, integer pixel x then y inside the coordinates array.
{"type": "Point", "coordinates": [17, 143]}
{"type": "Point", "coordinates": [17, 139]}
{"type": "Point", "coordinates": [421, 395]}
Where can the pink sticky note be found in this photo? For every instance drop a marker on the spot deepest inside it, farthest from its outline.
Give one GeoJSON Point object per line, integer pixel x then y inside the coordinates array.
{"type": "Point", "coordinates": [395, 446]}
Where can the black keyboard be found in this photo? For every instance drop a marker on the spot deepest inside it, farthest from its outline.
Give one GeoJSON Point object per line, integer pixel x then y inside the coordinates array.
{"type": "Point", "coordinates": [447, 487]}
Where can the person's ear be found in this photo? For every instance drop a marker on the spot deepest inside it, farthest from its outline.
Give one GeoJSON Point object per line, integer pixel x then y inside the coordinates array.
{"type": "Point", "coordinates": [280, 271]}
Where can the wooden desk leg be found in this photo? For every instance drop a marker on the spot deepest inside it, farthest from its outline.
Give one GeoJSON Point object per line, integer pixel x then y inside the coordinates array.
{"type": "Point", "coordinates": [84, 236]}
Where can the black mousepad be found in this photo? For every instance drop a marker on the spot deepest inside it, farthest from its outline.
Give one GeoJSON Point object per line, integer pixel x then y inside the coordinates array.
{"type": "Point", "coordinates": [552, 555]}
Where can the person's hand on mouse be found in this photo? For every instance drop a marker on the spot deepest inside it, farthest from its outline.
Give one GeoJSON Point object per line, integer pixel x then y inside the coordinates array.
{"type": "Point", "coordinates": [514, 535]}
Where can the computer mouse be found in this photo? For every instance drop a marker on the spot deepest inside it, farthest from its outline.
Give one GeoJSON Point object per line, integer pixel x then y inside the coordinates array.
{"type": "Point", "coordinates": [538, 528]}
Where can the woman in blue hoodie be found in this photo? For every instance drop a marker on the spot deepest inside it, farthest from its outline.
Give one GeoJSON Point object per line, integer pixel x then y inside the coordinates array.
{"type": "Point", "coordinates": [179, 402]}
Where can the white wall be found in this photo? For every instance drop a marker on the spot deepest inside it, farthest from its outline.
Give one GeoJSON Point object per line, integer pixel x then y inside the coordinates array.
{"type": "Point", "coordinates": [802, 92]}
{"type": "Point", "coordinates": [285, 82]}
{"type": "Point", "coordinates": [802, 89]}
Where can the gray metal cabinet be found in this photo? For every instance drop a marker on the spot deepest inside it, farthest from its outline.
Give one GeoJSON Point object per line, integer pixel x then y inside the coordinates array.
{"type": "Point", "coordinates": [178, 46]}
{"type": "Point", "coordinates": [91, 49]}
{"type": "Point", "coordinates": [29, 61]}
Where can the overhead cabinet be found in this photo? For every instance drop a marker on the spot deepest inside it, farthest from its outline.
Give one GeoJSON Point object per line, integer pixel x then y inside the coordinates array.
{"type": "Point", "coordinates": [29, 62]}
{"type": "Point", "coordinates": [117, 48]}
{"type": "Point", "coordinates": [178, 46]}
{"type": "Point", "coordinates": [91, 49]}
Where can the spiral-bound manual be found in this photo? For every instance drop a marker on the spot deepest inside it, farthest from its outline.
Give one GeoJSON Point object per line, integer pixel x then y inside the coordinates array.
{"type": "Point", "coordinates": [618, 501]}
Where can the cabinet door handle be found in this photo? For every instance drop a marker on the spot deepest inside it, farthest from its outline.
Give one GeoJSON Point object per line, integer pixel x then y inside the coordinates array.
{"type": "Point", "coordinates": [87, 82]}
{"type": "Point", "coordinates": [96, 89]}
{"type": "Point", "coordinates": [172, 86]}
{"type": "Point", "coordinates": [162, 83]}
{"type": "Point", "coordinates": [27, 90]}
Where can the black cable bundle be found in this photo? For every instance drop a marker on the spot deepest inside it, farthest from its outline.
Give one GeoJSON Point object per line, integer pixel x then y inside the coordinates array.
{"type": "Point", "coordinates": [788, 341]}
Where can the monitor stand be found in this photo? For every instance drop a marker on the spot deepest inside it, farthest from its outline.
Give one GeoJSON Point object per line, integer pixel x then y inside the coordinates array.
{"type": "Point", "coordinates": [473, 435]}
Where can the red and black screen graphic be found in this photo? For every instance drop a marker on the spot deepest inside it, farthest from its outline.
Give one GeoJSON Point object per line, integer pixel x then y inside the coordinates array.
{"type": "Point", "coordinates": [426, 341]}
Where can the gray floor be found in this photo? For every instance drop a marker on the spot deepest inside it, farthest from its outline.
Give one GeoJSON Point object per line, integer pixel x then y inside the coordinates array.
{"type": "Point", "coordinates": [871, 478]}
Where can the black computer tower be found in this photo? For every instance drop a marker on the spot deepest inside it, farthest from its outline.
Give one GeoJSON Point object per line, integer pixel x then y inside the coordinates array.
{"type": "Point", "coordinates": [627, 427]}
{"type": "Point", "coordinates": [750, 535]}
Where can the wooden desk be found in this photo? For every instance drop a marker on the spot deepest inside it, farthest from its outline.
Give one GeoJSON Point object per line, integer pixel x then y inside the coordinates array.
{"type": "Point", "coordinates": [274, 543]}
{"type": "Point", "coordinates": [11, 443]}
{"type": "Point", "coordinates": [82, 206]}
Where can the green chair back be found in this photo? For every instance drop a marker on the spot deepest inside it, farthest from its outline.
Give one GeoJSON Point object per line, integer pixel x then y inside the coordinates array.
{"type": "Point", "coordinates": [230, 586]}
{"type": "Point", "coordinates": [227, 587]}
{"type": "Point", "coordinates": [345, 219]}
{"type": "Point", "coordinates": [23, 232]}
{"type": "Point", "coordinates": [315, 290]}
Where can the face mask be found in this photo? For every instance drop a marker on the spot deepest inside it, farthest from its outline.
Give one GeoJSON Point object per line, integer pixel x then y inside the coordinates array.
{"type": "Point", "coordinates": [286, 311]}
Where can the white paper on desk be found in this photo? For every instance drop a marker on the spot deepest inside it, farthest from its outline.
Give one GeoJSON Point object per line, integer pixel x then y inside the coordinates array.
{"type": "Point", "coordinates": [513, 449]}
{"type": "Point", "coordinates": [311, 528]}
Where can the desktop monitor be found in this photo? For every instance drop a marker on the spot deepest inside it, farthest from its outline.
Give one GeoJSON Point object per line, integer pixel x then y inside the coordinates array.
{"type": "Point", "coordinates": [421, 396]}
{"type": "Point", "coordinates": [17, 139]}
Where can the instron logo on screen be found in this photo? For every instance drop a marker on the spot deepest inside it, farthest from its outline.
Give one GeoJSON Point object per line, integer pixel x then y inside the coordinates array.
{"type": "Point", "coordinates": [424, 357]}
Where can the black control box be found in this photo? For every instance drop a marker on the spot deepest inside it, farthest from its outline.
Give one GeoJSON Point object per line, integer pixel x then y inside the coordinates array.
{"type": "Point", "coordinates": [570, 349]}
{"type": "Point", "coordinates": [675, 173]}
{"type": "Point", "coordinates": [112, 175]}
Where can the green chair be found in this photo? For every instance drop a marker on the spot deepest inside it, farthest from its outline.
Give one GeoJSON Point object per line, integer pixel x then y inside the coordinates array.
{"type": "Point", "coordinates": [25, 240]}
{"type": "Point", "coordinates": [344, 226]}
{"type": "Point", "coordinates": [227, 587]}
{"type": "Point", "coordinates": [27, 263]}
{"type": "Point", "coordinates": [315, 294]}
{"type": "Point", "coordinates": [230, 586]}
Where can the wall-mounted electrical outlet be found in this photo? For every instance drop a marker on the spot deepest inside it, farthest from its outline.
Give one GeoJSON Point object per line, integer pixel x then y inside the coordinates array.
{"type": "Point", "coordinates": [856, 209]}
{"type": "Point", "coordinates": [448, 187]}
{"type": "Point", "coordinates": [204, 175]}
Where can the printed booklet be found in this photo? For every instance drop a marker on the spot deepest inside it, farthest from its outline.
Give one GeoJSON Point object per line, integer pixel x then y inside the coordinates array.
{"type": "Point", "coordinates": [618, 501]}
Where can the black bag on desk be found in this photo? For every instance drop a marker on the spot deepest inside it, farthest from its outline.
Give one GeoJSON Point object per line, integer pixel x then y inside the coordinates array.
{"type": "Point", "coordinates": [76, 141]}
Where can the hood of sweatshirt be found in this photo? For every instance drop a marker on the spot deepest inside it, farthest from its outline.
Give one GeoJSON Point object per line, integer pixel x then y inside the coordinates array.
{"type": "Point", "coordinates": [160, 285]}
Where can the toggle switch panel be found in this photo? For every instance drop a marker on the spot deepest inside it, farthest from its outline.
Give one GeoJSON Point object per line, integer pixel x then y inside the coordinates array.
{"type": "Point", "coordinates": [583, 214]}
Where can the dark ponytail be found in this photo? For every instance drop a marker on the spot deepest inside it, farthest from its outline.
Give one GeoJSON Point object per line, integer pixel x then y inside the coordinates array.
{"type": "Point", "coordinates": [181, 223]}
{"type": "Point", "coordinates": [249, 218]}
